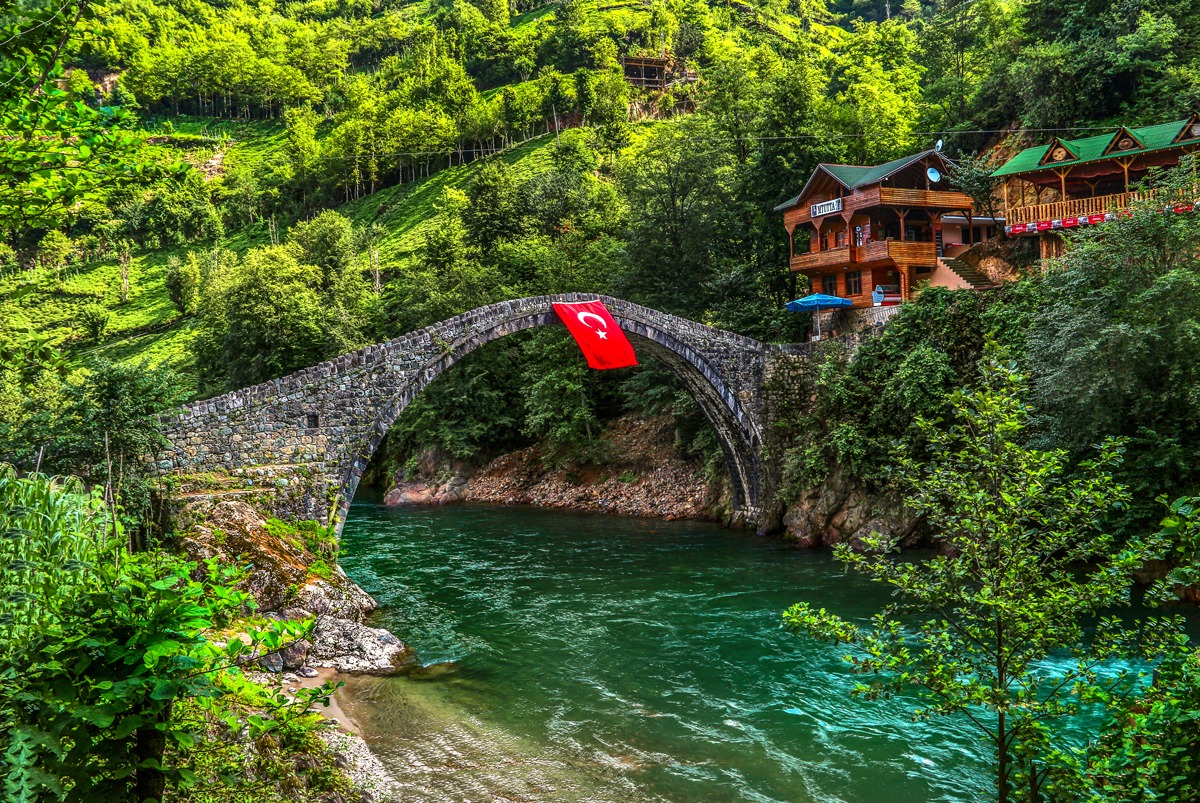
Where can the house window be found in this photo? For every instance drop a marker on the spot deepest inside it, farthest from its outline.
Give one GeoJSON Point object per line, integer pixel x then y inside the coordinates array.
{"type": "Point", "coordinates": [829, 285]}
{"type": "Point", "coordinates": [854, 283]}
{"type": "Point", "coordinates": [311, 420]}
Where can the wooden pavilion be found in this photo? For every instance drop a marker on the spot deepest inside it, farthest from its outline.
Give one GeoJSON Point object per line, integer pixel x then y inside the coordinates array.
{"type": "Point", "coordinates": [891, 225]}
{"type": "Point", "coordinates": [1079, 182]}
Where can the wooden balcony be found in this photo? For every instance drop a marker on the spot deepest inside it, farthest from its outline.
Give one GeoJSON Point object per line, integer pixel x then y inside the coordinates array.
{"type": "Point", "coordinates": [829, 258]}
{"type": "Point", "coordinates": [883, 252]}
{"type": "Point", "coordinates": [938, 199]}
{"type": "Point", "coordinates": [1078, 207]}
{"type": "Point", "coordinates": [945, 200]}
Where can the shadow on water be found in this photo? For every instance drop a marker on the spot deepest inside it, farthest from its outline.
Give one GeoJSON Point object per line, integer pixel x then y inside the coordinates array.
{"type": "Point", "coordinates": [585, 657]}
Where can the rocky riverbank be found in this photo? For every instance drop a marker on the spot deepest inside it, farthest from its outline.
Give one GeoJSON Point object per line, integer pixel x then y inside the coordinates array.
{"type": "Point", "coordinates": [645, 476]}
{"type": "Point", "coordinates": [640, 474]}
{"type": "Point", "coordinates": [294, 575]}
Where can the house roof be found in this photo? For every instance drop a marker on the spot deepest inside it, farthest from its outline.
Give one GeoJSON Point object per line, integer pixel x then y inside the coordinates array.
{"type": "Point", "coordinates": [854, 176]}
{"type": "Point", "coordinates": [1099, 148]}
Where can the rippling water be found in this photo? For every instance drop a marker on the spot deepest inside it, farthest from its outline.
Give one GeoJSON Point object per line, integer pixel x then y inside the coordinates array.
{"type": "Point", "coordinates": [589, 658]}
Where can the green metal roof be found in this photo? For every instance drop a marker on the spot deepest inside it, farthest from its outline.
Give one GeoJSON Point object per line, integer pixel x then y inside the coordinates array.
{"type": "Point", "coordinates": [1091, 149]}
{"type": "Point", "coordinates": [855, 176]}
{"type": "Point", "coordinates": [860, 176]}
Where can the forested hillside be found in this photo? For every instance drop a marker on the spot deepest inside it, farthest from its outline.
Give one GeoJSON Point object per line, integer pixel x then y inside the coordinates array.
{"type": "Point", "coordinates": [315, 176]}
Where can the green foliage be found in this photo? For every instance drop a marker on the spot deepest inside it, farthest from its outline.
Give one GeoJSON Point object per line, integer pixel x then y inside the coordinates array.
{"type": "Point", "coordinates": [560, 411]}
{"type": "Point", "coordinates": [94, 320]}
{"type": "Point", "coordinates": [852, 413]}
{"type": "Point", "coordinates": [311, 536]}
{"type": "Point", "coordinates": [54, 250]}
{"type": "Point", "coordinates": [268, 314]}
{"type": "Point", "coordinates": [69, 155]}
{"type": "Point", "coordinates": [984, 630]}
{"type": "Point", "coordinates": [182, 279]}
{"type": "Point", "coordinates": [99, 645]}
{"type": "Point", "coordinates": [1149, 748]}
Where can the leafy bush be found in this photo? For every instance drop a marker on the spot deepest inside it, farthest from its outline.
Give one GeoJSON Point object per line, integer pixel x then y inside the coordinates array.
{"type": "Point", "coordinates": [98, 646]}
{"type": "Point", "coordinates": [94, 319]}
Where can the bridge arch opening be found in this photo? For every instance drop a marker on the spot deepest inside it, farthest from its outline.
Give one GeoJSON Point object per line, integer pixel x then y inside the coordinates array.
{"type": "Point", "coordinates": [689, 367]}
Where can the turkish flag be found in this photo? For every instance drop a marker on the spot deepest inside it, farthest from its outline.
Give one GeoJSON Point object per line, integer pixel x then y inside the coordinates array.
{"type": "Point", "coordinates": [597, 333]}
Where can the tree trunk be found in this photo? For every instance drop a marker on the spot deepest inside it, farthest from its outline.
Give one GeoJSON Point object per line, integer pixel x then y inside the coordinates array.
{"type": "Point", "coordinates": [149, 782]}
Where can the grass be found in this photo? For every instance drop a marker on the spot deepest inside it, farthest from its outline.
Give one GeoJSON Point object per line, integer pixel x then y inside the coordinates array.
{"type": "Point", "coordinates": [147, 327]}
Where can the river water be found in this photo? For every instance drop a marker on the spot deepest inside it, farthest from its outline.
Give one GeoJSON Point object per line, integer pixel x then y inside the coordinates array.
{"type": "Point", "coordinates": [588, 658]}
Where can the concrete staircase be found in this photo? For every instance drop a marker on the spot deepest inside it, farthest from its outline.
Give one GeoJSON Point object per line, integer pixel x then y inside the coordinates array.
{"type": "Point", "coordinates": [972, 276]}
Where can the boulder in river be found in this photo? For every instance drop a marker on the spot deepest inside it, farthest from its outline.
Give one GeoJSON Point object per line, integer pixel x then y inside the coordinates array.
{"type": "Point", "coordinates": [349, 646]}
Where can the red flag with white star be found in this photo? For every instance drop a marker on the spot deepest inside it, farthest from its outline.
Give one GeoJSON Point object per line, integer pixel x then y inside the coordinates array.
{"type": "Point", "coordinates": [597, 333]}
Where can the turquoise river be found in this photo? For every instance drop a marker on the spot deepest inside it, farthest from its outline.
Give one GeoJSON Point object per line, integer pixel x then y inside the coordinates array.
{"type": "Point", "coordinates": [589, 658]}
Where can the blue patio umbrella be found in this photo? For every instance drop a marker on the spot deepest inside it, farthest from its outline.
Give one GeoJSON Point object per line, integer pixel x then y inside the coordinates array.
{"type": "Point", "coordinates": [817, 302]}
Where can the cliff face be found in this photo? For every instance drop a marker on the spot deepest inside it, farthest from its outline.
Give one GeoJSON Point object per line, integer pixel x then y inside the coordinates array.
{"type": "Point", "coordinates": [640, 474]}
{"type": "Point", "coordinates": [840, 511]}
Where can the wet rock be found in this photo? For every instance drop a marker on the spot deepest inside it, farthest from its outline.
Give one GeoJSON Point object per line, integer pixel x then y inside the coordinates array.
{"type": "Point", "coordinates": [839, 511]}
{"type": "Point", "coordinates": [349, 646]}
{"type": "Point", "coordinates": [366, 772]}
{"type": "Point", "coordinates": [433, 671]}
{"type": "Point", "coordinates": [307, 672]}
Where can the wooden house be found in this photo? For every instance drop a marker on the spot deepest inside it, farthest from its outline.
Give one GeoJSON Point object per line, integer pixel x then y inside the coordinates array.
{"type": "Point", "coordinates": [1080, 182]}
{"type": "Point", "coordinates": [646, 71]}
{"type": "Point", "coordinates": [893, 225]}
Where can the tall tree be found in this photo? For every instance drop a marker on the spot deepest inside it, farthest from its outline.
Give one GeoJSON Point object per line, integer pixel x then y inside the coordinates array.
{"type": "Point", "coordinates": [1026, 569]}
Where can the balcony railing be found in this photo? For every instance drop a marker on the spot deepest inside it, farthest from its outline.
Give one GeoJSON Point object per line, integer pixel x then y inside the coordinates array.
{"type": "Point", "coordinates": [1078, 207]}
{"type": "Point", "coordinates": [829, 258]}
{"type": "Point", "coordinates": [904, 253]}
{"type": "Point", "coordinates": [898, 196]}
{"type": "Point", "coordinates": [948, 200]}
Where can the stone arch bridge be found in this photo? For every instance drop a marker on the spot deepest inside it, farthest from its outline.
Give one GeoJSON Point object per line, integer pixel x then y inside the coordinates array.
{"type": "Point", "coordinates": [297, 446]}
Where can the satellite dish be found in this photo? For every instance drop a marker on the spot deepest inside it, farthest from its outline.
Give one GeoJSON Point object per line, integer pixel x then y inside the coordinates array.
{"type": "Point", "coordinates": [938, 147]}
{"type": "Point", "coordinates": [934, 174]}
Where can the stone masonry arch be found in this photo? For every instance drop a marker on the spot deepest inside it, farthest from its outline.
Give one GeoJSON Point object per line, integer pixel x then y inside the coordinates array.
{"type": "Point", "coordinates": [297, 446]}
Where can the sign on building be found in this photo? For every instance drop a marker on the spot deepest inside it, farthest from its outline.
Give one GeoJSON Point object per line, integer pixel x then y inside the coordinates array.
{"type": "Point", "coordinates": [825, 208]}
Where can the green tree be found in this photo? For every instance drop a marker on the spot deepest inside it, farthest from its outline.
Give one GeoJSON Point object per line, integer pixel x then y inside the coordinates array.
{"type": "Point", "coordinates": [560, 409]}
{"type": "Point", "coordinates": [182, 278]}
{"type": "Point", "coordinates": [448, 277]}
{"type": "Point", "coordinates": [973, 175]}
{"type": "Point", "coordinates": [1111, 348]}
{"type": "Point", "coordinates": [67, 155]}
{"type": "Point", "coordinates": [326, 241]}
{"type": "Point", "coordinates": [972, 628]}
{"type": "Point", "coordinates": [493, 214]}
{"type": "Point", "coordinates": [94, 319]}
{"type": "Point", "coordinates": [54, 250]}
{"type": "Point", "coordinates": [675, 182]}
{"type": "Point", "coordinates": [263, 317]}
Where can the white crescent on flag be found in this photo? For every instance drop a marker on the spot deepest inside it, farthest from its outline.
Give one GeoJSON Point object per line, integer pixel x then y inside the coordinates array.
{"type": "Point", "coordinates": [602, 332]}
